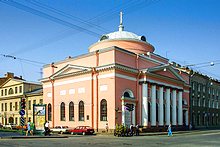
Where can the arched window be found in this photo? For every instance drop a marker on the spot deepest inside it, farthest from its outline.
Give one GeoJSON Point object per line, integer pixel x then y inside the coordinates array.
{"type": "Point", "coordinates": [62, 111]}
{"type": "Point", "coordinates": [71, 111]}
{"type": "Point", "coordinates": [81, 111]}
{"type": "Point", "coordinates": [10, 91]}
{"type": "Point", "coordinates": [49, 112]}
{"type": "Point", "coordinates": [126, 94]}
{"type": "Point", "coordinates": [103, 109]}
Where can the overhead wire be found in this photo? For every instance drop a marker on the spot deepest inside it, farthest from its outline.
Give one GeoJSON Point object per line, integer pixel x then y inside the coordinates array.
{"type": "Point", "coordinates": [62, 13]}
{"type": "Point", "coordinates": [62, 35]}
{"type": "Point", "coordinates": [65, 34]}
{"type": "Point", "coordinates": [22, 59]}
{"type": "Point", "coordinates": [49, 17]}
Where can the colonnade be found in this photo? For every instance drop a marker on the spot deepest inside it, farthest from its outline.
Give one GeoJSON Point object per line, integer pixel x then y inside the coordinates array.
{"type": "Point", "coordinates": [161, 95]}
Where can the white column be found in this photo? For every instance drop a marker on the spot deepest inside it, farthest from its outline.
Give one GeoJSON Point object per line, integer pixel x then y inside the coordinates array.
{"type": "Point", "coordinates": [174, 107]}
{"type": "Point", "coordinates": [180, 108]}
{"type": "Point", "coordinates": [123, 112]}
{"type": "Point", "coordinates": [187, 118]}
{"type": "Point", "coordinates": [144, 104]}
{"type": "Point", "coordinates": [153, 105]}
{"type": "Point", "coordinates": [133, 116]}
{"type": "Point", "coordinates": [161, 106]}
{"type": "Point", "coordinates": [167, 106]}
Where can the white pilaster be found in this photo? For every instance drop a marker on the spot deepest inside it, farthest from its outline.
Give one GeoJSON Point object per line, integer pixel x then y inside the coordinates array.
{"type": "Point", "coordinates": [123, 112]}
{"type": "Point", "coordinates": [174, 107]}
{"type": "Point", "coordinates": [144, 104]}
{"type": "Point", "coordinates": [161, 106]}
{"type": "Point", "coordinates": [133, 116]}
{"type": "Point", "coordinates": [153, 105]}
{"type": "Point", "coordinates": [167, 106]}
{"type": "Point", "coordinates": [180, 108]}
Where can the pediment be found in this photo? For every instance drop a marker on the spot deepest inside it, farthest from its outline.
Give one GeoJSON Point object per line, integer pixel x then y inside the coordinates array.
{"type": "Point", "coordinates": [167, 71]}
{"type": "Point", "coordinates": [12, 82]}
{"type": "Point", "coordinates": [70, 69]}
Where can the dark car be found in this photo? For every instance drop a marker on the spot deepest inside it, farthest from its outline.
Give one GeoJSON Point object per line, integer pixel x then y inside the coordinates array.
{"type": "Point", "coordinates": [82, 130]}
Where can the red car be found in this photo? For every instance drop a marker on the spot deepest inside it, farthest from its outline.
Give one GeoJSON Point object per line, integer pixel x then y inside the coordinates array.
{"type": "Point", "coordinates": [81, 130]}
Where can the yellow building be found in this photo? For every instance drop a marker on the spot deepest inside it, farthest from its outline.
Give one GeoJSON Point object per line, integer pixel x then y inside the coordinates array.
{"type": "Point", "coordinates": [11, 92]}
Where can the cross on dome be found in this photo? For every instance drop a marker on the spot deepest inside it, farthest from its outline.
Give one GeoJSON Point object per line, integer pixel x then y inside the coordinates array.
{"type": "Point", "coordinates": [121, 27]}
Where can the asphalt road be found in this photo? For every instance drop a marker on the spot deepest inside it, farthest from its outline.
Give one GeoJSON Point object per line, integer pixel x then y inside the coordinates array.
{"type": "Point", "coordinates": [193, 139]}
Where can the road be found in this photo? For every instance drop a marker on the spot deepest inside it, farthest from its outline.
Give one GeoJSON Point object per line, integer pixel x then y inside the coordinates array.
{"type": "Point", "coordinates": [194, 139]}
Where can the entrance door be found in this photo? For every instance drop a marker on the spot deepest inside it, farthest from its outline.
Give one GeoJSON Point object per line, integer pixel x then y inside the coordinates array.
{"type": "Point", "coordinates": [11, 120]}
{"type": "Point", "coordinates": [128, 120]}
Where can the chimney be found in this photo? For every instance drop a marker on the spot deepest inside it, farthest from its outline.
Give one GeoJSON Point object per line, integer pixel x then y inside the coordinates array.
{"type": "Point", "coordinates": [9, 75]}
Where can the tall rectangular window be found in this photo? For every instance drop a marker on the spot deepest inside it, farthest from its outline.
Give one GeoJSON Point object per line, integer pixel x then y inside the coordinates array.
{"type": "Point", "coordinates": [16, 90]}
{"type": "Point", "coordinates": [16, 106]}
{"type": "Point", "coordinates": [2, 107]}
{"type": "Point", "coordinates": [29, 105]}
{"type": "Point", "coordinates": [41, 101]}
{"type": "Point", "coordinates": [20, 89]}
{"type": "Point", "coordinates": [5, 91]}
{"type": "Point", "coordinates": [10, 106]}
{"type": "Point", "coordinates": [34, 101]}
{"type": "Point", "coordinates": [16, 120]}
{"type": "Point", "coordinates": [2, 92]}
{"type": "Point", "coordinates": [5, 106]}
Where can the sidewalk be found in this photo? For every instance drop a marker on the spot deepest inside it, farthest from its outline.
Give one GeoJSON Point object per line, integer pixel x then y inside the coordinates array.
{"type": "Point", "coordinates": [107, 134]}
{"type": "Point", "coordinates": [165, 133]}
{"type": "Point", "coordinates": [32, 137]}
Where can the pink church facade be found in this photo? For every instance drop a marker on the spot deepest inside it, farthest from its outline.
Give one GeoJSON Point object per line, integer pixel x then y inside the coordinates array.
{"type": "Point", "coordinates": [120, 71]}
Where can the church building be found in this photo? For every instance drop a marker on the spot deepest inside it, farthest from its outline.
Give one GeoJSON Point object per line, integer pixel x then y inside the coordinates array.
{"type": "Point", "coordinates": [119, 81]}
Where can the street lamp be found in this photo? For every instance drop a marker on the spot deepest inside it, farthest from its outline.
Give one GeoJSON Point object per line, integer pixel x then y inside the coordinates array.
{"type": "Point", "coordinates": [52, 90]}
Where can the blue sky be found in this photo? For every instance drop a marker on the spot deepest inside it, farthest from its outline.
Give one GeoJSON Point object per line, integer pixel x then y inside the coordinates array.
{"type": "Point", "coordinates": [185, 31]}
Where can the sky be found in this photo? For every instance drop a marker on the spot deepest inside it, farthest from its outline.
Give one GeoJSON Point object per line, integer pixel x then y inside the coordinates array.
{"type": "Point", "coordinates": [38, 32]}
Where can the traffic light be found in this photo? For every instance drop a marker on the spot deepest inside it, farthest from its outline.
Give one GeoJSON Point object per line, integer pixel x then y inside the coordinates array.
{"type": "Point", "coordinates": [129, 107]}
{"type": "Point", "coordinates": [23, 103]}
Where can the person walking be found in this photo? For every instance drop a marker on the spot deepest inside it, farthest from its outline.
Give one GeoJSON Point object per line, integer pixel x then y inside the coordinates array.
{"type": "Point", "coordinates": [47, 130]}
{"type": "Point", "coordinates": [106, 127]}
{"type": "Point", "coordinates": [131, 129]}
{"type": "Point", "coordinates": [169, 131]}
{"type": "Point", "coordinates": [137, 130]}
{"type": "Point", "coordinates": [29, 128]}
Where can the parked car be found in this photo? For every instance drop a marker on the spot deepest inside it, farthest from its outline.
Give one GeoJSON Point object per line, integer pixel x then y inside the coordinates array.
{"type": "Point", "coordinates": [59, 129]}
{"type": "Point", "coordinates": [82, 130]}
{"type": "Point", "coordinates": [9, 126]}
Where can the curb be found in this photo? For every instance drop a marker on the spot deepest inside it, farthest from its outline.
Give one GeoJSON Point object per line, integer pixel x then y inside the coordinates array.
{"type": "Point", "coordinates": [32, 137]}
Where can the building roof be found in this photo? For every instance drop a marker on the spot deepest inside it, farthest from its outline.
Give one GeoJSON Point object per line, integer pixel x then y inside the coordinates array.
{"type": "Point", "coordinates": [122, 35]}
{"type": "Point", "coordinates": [35, 91]}
{"type": "Point", "coordinates": [123, 39]}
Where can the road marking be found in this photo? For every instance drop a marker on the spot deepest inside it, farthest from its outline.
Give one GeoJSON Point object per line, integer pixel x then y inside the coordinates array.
{"type": "Point", "coordinates": [210, 134]}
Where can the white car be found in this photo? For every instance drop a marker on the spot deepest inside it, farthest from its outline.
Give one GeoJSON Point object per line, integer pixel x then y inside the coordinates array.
{"type": "Point", "coordinates": [10, 126]}
{"type": "Point", "coordinates": [59, 129]}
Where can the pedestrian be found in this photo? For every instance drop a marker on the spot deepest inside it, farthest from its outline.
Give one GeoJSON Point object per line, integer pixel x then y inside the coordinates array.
{"type": "Point", "coordinates": [47, 130]}
{"type": "Point", "coordinates": [169, 131]}
{"type": "Point", "coordinates": [137, 130]}
{"type": "Point", "coordinates": [32, 128]}
{"type": "Point", "coordinates": [29, 128]}
{"type": "Point", "coordinates": [127, 130]}
{"type": "Point", "coordinates": [106, 127]}
{"type": "Point", "coordinates": [131, 129]}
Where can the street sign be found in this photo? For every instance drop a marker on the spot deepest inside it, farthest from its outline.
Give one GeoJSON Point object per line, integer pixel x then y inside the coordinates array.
{"type": "Point", "coordinates": [22, 112]}
{"type": "Point", "coordinates": [22, 121]}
